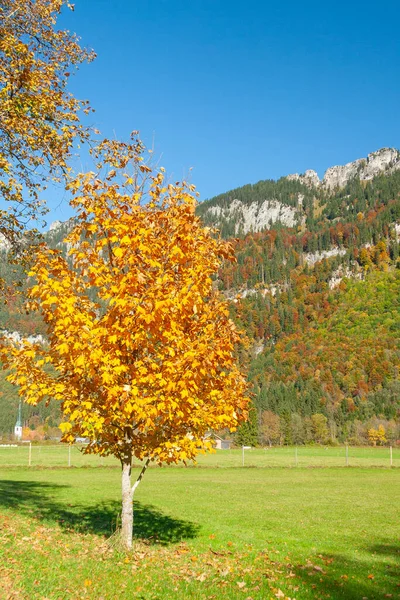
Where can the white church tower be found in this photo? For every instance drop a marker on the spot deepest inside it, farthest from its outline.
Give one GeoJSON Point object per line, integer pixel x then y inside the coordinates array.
{"type": "Point", "coordinates": [18, 425]}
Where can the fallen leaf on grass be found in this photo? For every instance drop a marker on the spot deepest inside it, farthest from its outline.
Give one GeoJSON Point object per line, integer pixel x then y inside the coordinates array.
{"type": "Point", "coordinates": [290, 574]}
{"type": "Point", "coordinates": [224, 573]}
{"type": "Point", "coordinates": [319, 569]}
{"type": "Point", "coordinates": [241, 584]}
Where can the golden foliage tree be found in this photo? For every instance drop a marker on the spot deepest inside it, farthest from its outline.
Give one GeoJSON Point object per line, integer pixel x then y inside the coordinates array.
{"type": "Point", "coordinates": [141, 350]}
{"type": "Point", "coordinates": [39, 118]}
{"type": "Point", "coordinates": [377, 436]}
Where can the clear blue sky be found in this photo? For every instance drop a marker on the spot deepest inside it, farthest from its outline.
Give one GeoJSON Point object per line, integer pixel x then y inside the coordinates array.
{"type": "Point", "coordinates": [242, 91]}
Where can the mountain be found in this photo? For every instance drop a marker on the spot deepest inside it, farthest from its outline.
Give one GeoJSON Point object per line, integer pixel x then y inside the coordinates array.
{"type": "Point", "coordinates": [286, 201]}
{"type": "Point", "coordinates": [383, 161]}
{"type": "Point", "coordinates": [316, 288]}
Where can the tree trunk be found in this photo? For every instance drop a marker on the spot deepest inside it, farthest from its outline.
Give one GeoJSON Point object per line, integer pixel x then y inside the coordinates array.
{"type": "Point", "coordinates": [127, 505]}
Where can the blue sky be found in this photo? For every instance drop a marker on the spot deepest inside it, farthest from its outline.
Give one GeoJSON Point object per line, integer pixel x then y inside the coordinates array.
{"type": "Point", "coordinates": [242, 91]}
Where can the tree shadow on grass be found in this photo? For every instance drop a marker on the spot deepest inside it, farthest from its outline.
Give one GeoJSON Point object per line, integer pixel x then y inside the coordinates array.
{"type": "Point", "coordinates": [375, 575]}
{"type": "Point", "coordinates": [36, 499]}
{"type": "Point", "coordinates": [389, 549]}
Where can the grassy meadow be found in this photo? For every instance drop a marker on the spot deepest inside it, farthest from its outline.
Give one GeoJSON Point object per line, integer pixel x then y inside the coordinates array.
{"type": "Point", "coordinates": [203, 533]}
{"type": "Point", "coordinates": [278, 456]}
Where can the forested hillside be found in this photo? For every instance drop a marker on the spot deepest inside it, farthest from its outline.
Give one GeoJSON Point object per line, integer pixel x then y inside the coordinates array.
{"type": "Point", "coordinates": [316, 287]}
{"type": "Point", "coordinates": [341, 359]}
{"type": "Point", "coordinates": [320, 304]}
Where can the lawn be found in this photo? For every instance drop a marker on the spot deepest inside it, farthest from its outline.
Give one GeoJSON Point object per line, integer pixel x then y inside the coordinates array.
{"type": "Point", "coordinates": [60, 455]}
{"type": "Point", "coordinates": [253, 533]}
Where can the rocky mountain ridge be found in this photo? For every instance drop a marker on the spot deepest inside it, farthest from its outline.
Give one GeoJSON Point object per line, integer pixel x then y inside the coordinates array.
{"type": "Point", "coordinates": [381, 161]}
{"type": "Point", "coordinates": [254, 213]}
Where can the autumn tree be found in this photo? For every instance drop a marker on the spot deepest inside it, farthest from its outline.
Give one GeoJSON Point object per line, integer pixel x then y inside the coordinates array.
{"type": "Point", "coordinates": [270, 428]}
{"type": "Point", "coordinates": [141, 350]}
{"type": "Point", "coordinates": [377, 436]}
{"type": "Point", "coordinates": [39, 117]}
{"type": "Point", "coordinates": [320, 428]}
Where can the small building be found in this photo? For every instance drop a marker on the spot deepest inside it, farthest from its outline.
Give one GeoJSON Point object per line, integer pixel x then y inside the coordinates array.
{"type": "Point", "coordinates": [220, 443]}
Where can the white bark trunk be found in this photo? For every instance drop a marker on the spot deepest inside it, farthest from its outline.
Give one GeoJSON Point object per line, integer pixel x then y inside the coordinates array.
{"type": "Point", "coordinates": [127, 506]}
{"type": "Point", "coordinates": [127, 501]}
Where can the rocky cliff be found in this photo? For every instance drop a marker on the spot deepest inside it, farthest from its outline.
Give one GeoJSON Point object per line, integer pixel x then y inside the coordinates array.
{"type": "Point", "coordinates": [382, 161]}
{"type": "Point", "coordinates": [255, 216]}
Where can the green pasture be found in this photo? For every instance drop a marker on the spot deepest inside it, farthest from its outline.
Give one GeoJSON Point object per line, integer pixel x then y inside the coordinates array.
{"type": "Point", "coordinates": [203, 533]}
{"type": "Point", "coordinates": [61, 455]}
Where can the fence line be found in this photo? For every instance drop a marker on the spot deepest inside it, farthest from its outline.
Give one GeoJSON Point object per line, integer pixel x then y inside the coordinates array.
{"type": "Point", "coordinates": [300, 456]}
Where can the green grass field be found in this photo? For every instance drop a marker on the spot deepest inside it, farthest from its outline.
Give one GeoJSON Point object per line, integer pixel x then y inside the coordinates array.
{"type": "Point", "coordinates": [311, 456]}
{"type": "Point", "coordinates": [203, 533]}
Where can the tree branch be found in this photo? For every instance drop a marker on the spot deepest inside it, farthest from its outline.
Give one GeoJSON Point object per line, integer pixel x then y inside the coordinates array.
{"type": "Point", "coordinates": [139, 479]}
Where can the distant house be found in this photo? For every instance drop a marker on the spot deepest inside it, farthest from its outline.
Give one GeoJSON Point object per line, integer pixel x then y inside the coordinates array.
{"type": "Point", "coordinates": [220, 443]}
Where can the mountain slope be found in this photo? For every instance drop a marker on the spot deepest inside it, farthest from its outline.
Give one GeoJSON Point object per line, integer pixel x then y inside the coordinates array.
{"type": "Point", "coordinates": [294, 289]}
